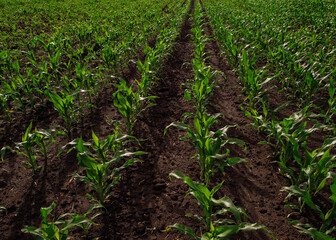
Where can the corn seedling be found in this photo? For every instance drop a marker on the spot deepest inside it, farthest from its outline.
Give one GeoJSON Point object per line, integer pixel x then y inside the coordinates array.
{"type": "Point", "coordinates": [44, 139]}
{"type": "Point", "coordinates": [89, 82]}
{"type": "Point", "coordinates": [210, 145]}
{"type": "Point", "coordinates": [84, 221]}
{"type": "Point", "coordinates": [26, 148]}
{"type": "Point", "coordinates": [110, 58]}
{"type": "Point", "coordinates": [201, 89]}
{"type": "Point", "coordinates": [254, 80]}
{"type": "Point", "coordinates": [4, 106]}
{"type": "Point", "coordinates": [288, 134]}
{"type": "Point", "coordinates": [102, 172]}
{"type": "Point", "coordinates": [66, 107]}
{"type": "Point", "coordinates": [215, 226]}
{"type": "Point", "coordinates": [326, 228]}
{"type": "Point", "coordinates": [13, 90]}
{"type": "Point", "coordinates": [34, 145]}
{"type": "Point", "coordinates": [130, 104]}
{"type": "Point", "coordinates": [331, 101]}
{"type": "Point", "coordinates": [59, 229]}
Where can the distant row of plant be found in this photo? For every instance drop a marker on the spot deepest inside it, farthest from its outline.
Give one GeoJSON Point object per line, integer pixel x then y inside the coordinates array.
{"type": "Point", "coordinates": [74, 63]}
{"type": "Point", "coordinates": [287, 47]}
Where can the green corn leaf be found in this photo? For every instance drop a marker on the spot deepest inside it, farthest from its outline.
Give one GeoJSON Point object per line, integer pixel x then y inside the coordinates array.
{"type": "Point", "coordinates": [187, 96]}
{"type": "Point", "coordinates": [329, 143]}
{"type": "Point", "coordinates": [195, 216]}
{"type": "Point", "coordinates": [236, 141]}
{"type": "Point", "coordinates": [321, 185]}
{"type": "Point", "coordinates": [331, 230]}
{"type": "Point", "coordinates": [251, 227]}
{"type": "Point", "coordinates": [178, 125]}
{"type": "Point", "coordinates": [46, 211]}
{"type": "Point", "coordinates": [215, 189]}
{"type": "Point", "coordinates": [333, 189]}
{"type": "Point", "coordinates": [75, 222]}
{"type": "Point", "coordinates": [26, 135]}
{"type": "Point", "coordinates": [233, 161]}
{"type": "Point", "coordinates": [225, 232]}
{"type": "Point", "coordinates": [3, 151]}
{"type": "Point", "coordinates": [227, 203]}
{"type": "Point", "coordinates": [35, 232]}
{"type": "Point", "coordinates": [95, 139]}
{"type": "Point", "coordinates": [296, 191]}
{"type": "Point", "coordinates": [185, 230]}
{"type": "Point", "coordinates": [177, 174]}
{"type": "Point", "coordinates": [309, 230]}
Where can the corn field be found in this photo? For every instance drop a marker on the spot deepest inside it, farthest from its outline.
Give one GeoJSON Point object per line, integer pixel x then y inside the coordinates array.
{"type": "Point", "coordinates": [184, 119]}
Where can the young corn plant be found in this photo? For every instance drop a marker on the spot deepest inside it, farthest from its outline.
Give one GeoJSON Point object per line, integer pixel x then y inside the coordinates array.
{"type": "Point", "coordinates": [58, 229]}
{"type": "Point", "coordinates": [104, 164]}
{"type": "Point", "coordinates": [326, 228]}
{"type": "Point", "coordinates": [147, 69]}
{"type": "Point", "coordinates": [4, 62]}
{"type": "Point", "coordinates": [85, 221]}
{"type": "Point", "coordinates": [26, 148]}
{"type": "Point", "coordinates": [210, 146]}
{"type": "Point", "coordinates": [215, 226]}
{"type": "Point", "coordinates": [34, 145]}
{"type": "Point", "coordinates": [331, 101]}
{"type": "Point", "coordinates": [130, 104]}
{"type": "Point", "coordinates": [314, 170]}
{"type": "Point", "coordinates": [200, 90]}
{"type": "Point", "coordinates": [13, 90]}
{"type": "Point", "coordinates": [66, 107]}
{"type": "Point", "coordinates": [232, 47]}
{"type": "Point", "coordinates": [288, 134]}
{"type": "Point", "coordinates": [254, 81]}
{"type": "Point", "coordinates": [111, 57]}
{"type": "Point", "coordinates": [89, 82]}
{"type": "Point", "coordinates": [307, 86]}
{"type": "Point", "coordinates": [5, 108]}
{"type": "Point", "coordinates": [311, 177]}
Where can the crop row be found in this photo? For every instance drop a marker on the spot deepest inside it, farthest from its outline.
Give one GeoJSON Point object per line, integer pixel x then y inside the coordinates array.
{"type": "Point", "coordinates": [288, 47]}
{"type": "Point", "coordinates": [221, 218]}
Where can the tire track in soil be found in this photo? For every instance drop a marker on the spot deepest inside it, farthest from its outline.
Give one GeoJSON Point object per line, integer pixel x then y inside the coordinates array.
{"type": "Point", "coordinates": [256, 185]}
{"type": "Point", "coordinates": [146, 201]}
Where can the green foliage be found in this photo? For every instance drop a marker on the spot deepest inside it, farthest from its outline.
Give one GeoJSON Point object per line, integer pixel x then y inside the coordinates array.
{"type": "Point", "coordinates": [287, 135]}
{"type": "Point", "coordinates": [210, 145]}
{"type": "Point", "coordinates": [33, 146]}
{"type": "Point", "coordinates": [66, 107]}
{"type": "Point", "coordinates": [130, 104]}
{"type": "Point", "coordinates": [215, 226]}
{"type": "Point", "coordinates": [327, 218]}
{"type": "Point", "coordinates": [103, 162]}
{"type": "Point", "coordinates": [59, 229]}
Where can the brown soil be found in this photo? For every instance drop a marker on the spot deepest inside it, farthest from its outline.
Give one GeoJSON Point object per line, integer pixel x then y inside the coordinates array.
{"type": "Point", "coordinates": [145, 202]}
